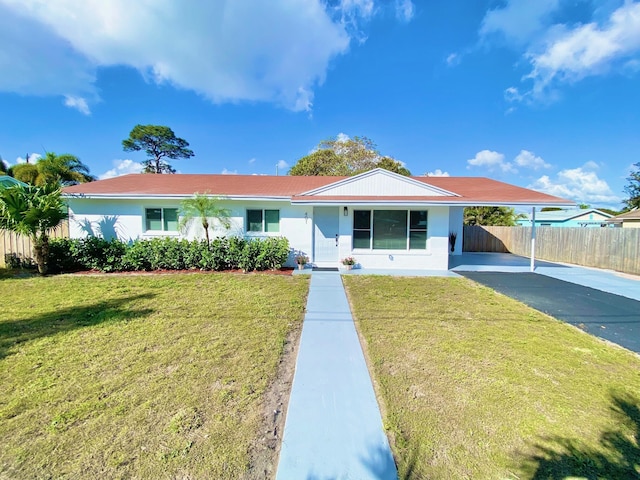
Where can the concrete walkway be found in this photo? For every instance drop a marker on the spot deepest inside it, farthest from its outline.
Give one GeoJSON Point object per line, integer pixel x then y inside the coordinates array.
{"type": "Point", "coordinates": [333, 428]}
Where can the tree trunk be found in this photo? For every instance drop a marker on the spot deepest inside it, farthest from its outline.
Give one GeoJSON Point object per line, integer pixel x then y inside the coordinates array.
{"type": "Point", "coordinates": [205, 225]}
{"type": "Point", "coordinates": [41, 252]}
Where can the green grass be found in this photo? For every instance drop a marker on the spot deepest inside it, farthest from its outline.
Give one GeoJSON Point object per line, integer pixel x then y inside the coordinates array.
{"type": "Point", "coordinates": [138, 376]}
{"type": "Point", "coordinates": [476, 385]}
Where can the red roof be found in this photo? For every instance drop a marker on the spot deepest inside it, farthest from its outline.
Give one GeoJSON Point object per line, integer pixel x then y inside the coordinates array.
{"type": "Point", "coordinates": [470, 190]}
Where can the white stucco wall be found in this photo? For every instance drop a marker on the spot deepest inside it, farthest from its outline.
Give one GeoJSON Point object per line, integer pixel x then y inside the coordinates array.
{"type": "Point", "coordinates": [125, 220]}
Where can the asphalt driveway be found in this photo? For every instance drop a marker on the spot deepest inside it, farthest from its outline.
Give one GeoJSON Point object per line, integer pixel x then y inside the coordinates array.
{"type": "Point", "coordinates": [606, 315]}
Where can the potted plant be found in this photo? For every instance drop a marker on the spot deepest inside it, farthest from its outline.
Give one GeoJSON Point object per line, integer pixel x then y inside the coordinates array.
{"type": "Point", "coordinates": [348, 262]}
{"type": "Point", "coordinates": [301, 260]}
{"type": "Point", "coordinates": [452, 240]}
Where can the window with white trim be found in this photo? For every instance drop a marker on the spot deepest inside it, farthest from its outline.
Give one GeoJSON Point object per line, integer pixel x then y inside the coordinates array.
{"type": "Point", "coordinates": [267, 221]}
{"type": "Point", "coordinates": [161, 219]}
{"type": "Point", "coordinates": [390, 229]}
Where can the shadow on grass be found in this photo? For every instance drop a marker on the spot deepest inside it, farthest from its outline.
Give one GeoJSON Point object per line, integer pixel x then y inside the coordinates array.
{"type": "Point", "coordinates": [17, 273]}
{"type": "Point", "coordinates": [14, 332]}
{"type": "Point", "coordinates": [617, 456]}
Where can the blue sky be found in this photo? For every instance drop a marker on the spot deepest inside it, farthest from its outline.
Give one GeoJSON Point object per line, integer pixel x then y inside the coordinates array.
{"type": "Point", "coordinates": [542, 94]}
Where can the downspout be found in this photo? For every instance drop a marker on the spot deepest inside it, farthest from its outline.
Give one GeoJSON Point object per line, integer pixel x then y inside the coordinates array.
{"type": "Point", "coordinates": [533, 239]}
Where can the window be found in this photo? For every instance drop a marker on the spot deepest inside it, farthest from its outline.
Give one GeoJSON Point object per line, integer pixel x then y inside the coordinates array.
{"type": "Point", "coordinates": [263, 221]}
{"type": "Point", "coordinates": [161, 219]}
{"type": "Point", "coordinates": [362, 229]}
{"type": "Point", "coordinates": [418, 230]}
{"type": "Point", "coordinates": [390, 229]}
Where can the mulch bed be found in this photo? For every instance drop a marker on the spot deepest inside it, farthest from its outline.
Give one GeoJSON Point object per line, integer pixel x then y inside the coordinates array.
{"type": "Point", "coordinates": [282, 271]}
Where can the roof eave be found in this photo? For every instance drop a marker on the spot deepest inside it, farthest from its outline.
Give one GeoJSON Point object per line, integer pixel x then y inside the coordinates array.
{"type": "Point", "coordinates": [440, 203]}
{"type": "Point", "coordinates": [181, 196]}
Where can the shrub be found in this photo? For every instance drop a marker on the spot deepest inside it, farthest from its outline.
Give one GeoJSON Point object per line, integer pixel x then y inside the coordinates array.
{"type": "Point", "coordinates": [63, 255]}
{"type": "Point", "coordinates": [264, 254]}
{"type": "Point", "coordinates": [166, 253]}
{"type": "Point", "coordinates": [276, 252]}
{"type": "Point", "coordinates": [234, 254]}
{"type": "Point", "coordinates": [193, 254]}
{"type": "Point", "coordinates": [138, 256]}
{"type": "Point", "coordinates": [91, 253]}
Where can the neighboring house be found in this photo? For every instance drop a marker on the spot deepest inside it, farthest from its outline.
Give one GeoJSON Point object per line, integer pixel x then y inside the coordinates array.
{"type": "Point", "coordinates": [383, 219]}
{"type": "Point", "coordinates": [626, 220]}
{"type": "Point", "coordinates": [6, 181]}
{"type": "Point", "coordinates": [572, 217]}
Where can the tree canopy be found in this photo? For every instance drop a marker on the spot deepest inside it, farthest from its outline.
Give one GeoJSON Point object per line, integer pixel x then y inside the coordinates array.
{"type": "Point", "coordinates": [202, 208]}
{"type": "Point", "coordinates": [33, 211]}
{"type": "Point", "coordinates": [491, 216]}
{"type": "Point", "coordinates": [65, 169]}
{"type": "Point", "coordinates": [633, 188]}
{"type": "Point", "coordinates": [159, 143]}
{"type": "Point", "coordinates": [345, 157]}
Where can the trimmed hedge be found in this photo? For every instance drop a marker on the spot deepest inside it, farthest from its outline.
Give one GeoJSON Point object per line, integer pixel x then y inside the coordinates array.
{"type": "Point", "coordinates": [163, 253]}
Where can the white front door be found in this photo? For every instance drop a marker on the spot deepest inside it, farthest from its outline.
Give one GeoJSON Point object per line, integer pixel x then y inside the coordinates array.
{"type": "Point", "coordinates": [325, 235]}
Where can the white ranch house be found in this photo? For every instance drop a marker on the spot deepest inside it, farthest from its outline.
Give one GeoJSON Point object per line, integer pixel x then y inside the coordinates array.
{"type": "Point", "coordinates": [384, 220]}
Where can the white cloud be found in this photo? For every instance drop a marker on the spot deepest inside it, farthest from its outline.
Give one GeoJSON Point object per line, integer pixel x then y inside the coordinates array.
{"type": "Point", "coordinates": [229, 172]}
{"type": "Point", "coordinates": [363, 8]}
{"type": "Point", "coordinates": [252, 161]}
{"type": "Point", "coordinates": [35, 61]}
{"type": "Point", "coordinates": [491, 161]}
{"type": "Point", "coordinates": [453, 60]}
{"type": "Point", "coordinates": [591, 165]}
{"type": "Point", "coordinates": [404, 10]}
{"type": "Point", "coordinates": [33, 158]}
{"type": "Point", "coordinates": [437, 173]}
{"type": "Point", "coordinates": [529, 160]}
{"type": "Point", "coordinates": [564, 55]}
{"type": "Point", "coordinates": [579, 184]}
{"type": "Point", "coordinates": [122, 167]}
{"type": "Point", "coordinates": [282, 165]}
{"type": "Point", "coordinates": [226, 50]}
{"type": "Point", "coordinates": [342, 137]}
{"type": "Point", "coordinates": [78, 103]}
{"type": "Point", "coordinates": [518, 21]}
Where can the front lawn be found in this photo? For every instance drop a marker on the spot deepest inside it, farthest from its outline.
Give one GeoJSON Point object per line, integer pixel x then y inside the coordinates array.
{"type": "Point", "coordinates": [476, 385]}
{"type": "Point", "coordinates": [134, 376]}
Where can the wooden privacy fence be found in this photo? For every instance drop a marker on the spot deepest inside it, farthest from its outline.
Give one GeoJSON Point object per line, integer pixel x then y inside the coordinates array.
{"type": "Point", "coordinates": [609, 248]}
{"type": "Point", "coordinates": [21, 246]}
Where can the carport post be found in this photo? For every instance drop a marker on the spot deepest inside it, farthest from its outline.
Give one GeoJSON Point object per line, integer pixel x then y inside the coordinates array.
{"type": "Point", "coordinates": [533, 238]}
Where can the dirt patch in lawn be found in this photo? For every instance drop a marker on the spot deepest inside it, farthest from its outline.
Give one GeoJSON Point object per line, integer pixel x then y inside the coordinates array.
{"type": "Point", "coordinates": [264, 454]}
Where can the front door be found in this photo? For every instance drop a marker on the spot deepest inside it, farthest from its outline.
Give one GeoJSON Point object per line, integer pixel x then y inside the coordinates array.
{"type": "Point", "coordinates": [325, 235]}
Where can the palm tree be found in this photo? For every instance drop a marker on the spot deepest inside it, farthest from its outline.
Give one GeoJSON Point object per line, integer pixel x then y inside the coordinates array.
{"type": "Point", "coordinates": [202, 207]}
{"type": "Point", "coordinates": [65, 169]}
{"type": "Point", "coordinates": [35, 212]}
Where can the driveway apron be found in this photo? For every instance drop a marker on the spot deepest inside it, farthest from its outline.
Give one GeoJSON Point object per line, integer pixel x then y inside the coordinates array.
{"type": "Point", "coordinates": [613, 317]}
{"type": "Point", "coordinates": [333, 428]}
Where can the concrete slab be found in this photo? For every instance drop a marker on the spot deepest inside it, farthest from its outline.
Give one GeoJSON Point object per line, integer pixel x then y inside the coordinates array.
{"type": "Point", "coordinates": [381, 271]}
{"type": "Point", "coordinates": [333, 428]}
{"type": "Point", "coordinates": [603, 280]}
